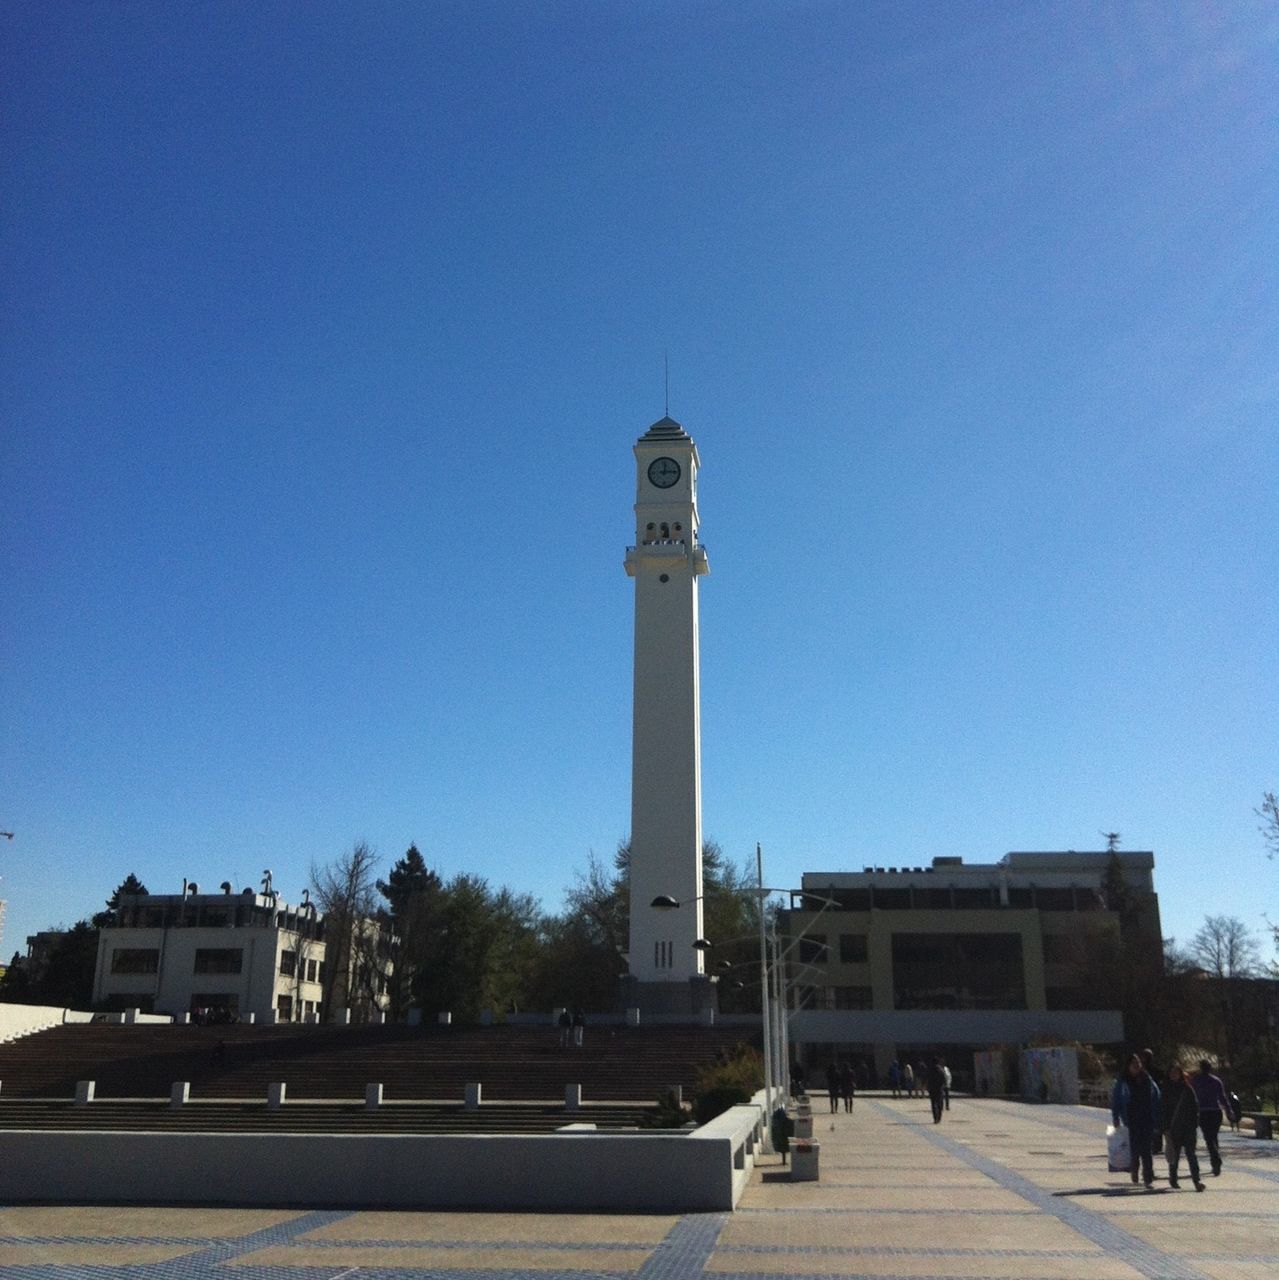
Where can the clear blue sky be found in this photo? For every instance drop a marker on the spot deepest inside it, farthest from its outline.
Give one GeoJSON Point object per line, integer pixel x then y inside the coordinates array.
{"type": "Point", "coordinates": [329, 328]}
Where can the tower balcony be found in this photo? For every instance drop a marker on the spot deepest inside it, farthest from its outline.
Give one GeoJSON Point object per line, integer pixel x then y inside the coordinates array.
{"type": "Point", "coordinates": [653, 556]}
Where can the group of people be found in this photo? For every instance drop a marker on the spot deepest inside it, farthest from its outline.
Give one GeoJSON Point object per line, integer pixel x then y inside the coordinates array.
{"type": "Point", "coordinates": [929, 1076]}
{"type": "Point", "coordinates": [841, 1084]}
{"type": "Point", "coordinates": [1164, 1112]}
{"type": "Point", "coordinates": [572, 1025]}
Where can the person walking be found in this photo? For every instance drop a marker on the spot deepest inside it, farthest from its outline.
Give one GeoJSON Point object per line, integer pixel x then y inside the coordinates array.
{"type": "Point", "coordinates": [579, 1027]}
{"type": "Point", "coordinates": [895, 1078]}
{"type": "Point", "coordinates": [1148, 1061]}
{"type": "Point", "coordinates": [1134, 1102]}
{"type": "Point", "coordinates": [945, 1070]}
{"type": "Point", "coordinates": [908, 1080]}
{"type": "Point", "coordinates": [566, 1027]}
{"type": "Point", "coordinates": [833, 1084]}
{"type": "Point", "coordinates": [1181, 1123]}
{"type": "Point", "coordinates": [936, 1088]}
{"type": "Point", "coordinates": [847, 1085]}
{"type": "Point", "coordinates": [1211, 1094]}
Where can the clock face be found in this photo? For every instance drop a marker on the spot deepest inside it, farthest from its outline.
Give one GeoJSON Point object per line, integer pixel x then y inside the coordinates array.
{"type": "Point", "coordinates": [663, 472]}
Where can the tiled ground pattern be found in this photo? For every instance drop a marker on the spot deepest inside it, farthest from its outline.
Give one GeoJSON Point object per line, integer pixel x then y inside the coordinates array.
{"type": "Point", "coordinates": [996, 1190]}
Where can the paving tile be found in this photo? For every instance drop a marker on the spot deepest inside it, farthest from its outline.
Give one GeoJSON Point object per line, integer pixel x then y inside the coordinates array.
{"type": "Point", "coordinates": [1026, 1230]}
{"type": "Point", "coordinates": [1219, 1235]}
{"type": "Point", "coordinates": [978, 1267]}
{"type": "Point", "coordinates": [83, 1253]}
{"type": "Point", "coordinates": [493, 1228]}
{"type": "Point", "coordinates": [117, 1220]}
{"type": "Point", "coordinates": [1234, 1269]}
{"type": "Point", "coordinates": [425, 1257]}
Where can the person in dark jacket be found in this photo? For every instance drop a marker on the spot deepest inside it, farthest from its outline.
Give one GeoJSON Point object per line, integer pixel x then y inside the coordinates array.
{"type": "Point", "coordinates": [1212, 1102]}
{"type": "Point", "coordinates": [935, 1078]}
{"type": "Point", "coordinates": [847, 1085]}
{"type": "Point", "coordinates": [1148, 1061]}
{"type": "Point", "coordinates": [1181, 1124]}
{"type": "Point", "coordinates": [1135, 1103]}
{"type": "Point", "coordinates": [833, 1084]}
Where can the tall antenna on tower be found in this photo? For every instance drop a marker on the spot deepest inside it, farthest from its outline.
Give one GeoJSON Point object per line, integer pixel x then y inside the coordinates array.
{"type": "Point", "coordinates": [666, 361]}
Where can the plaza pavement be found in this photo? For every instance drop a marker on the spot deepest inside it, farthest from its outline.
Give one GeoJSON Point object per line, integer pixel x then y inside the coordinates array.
{"type": "Point", "coordinates": [998, 1189]}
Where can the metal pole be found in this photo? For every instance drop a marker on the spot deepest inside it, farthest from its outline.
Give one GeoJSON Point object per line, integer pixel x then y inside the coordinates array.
{"type": "Point", "coordinates": [767, 1143]}
{"type": "Point", "coordinates": [783, 1042]}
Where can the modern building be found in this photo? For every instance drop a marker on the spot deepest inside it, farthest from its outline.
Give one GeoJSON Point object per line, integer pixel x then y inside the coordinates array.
{"type": "Point", "coordinates": [239, 953]}
{"type": "Point", "coordinates": [964, 956]}
{"type": "Point", "coordinates": [665, 969]}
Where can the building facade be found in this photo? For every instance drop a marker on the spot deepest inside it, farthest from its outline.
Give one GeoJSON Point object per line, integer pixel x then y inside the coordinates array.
{"type": "Point", "coordinates": [665, 969]}
{"type": "Point", "coordinates": [962, 956]}
{"type": "Point", "coordinates": [234, 954]}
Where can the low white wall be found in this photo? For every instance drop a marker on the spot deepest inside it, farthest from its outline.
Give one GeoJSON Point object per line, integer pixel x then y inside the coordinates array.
{"type": "Point", "coordinates": [701, 1170]}
{"type": "Point", "coordinates": [24, 1019]}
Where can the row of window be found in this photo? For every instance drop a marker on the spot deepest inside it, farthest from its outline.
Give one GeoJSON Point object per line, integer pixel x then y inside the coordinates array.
{"type": "Point", "coordinates": [860, 998]}
{"type": "Point", "coordinates": [133, 960]}
{"type": "Point", "coordinates": [313, 969]}
{"type": "Point", "coordinates": [853, 948]}
{"type": "Point", "coordinates": [926, 898]}
{"type": "Point", "coordinates": [219, 916]}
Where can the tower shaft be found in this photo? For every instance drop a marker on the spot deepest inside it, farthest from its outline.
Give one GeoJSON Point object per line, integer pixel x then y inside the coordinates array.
{"type": "Point", "coordinates": [666, 798]}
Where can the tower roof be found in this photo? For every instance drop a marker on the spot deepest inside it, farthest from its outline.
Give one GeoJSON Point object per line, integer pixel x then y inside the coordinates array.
{"type": "Point", "coordinates": [665, 429]}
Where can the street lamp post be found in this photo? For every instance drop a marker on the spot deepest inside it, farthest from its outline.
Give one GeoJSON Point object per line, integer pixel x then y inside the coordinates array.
{"type": "Point", "coordinates": [772, 1008]}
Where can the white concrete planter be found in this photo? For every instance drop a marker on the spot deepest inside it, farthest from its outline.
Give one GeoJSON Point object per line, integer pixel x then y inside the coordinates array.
{"type": "Point", "coordinates": [804, 1155]}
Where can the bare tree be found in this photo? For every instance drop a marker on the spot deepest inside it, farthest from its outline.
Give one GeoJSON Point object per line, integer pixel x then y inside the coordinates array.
{"type": "Point", "coordinates": [1226, 948]}
{"type": "Point", "coordinates": [1228, 953]}
{"type": "Point", "coordinates": [1269, 828]}
{"type": "Point", "coordinates": [345, 890]}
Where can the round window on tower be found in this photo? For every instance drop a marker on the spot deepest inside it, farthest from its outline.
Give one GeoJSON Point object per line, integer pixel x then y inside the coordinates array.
{"type": "Point", "coordinates": [665, 577]}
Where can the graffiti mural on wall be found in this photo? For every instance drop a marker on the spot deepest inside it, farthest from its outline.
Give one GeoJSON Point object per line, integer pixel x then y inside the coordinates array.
{"type": "Point", "coordinates": [1050, 1075]}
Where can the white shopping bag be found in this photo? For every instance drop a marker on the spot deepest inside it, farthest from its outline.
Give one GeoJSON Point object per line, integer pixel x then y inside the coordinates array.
{"type": "Point", "coordinates": [1118, 1150]}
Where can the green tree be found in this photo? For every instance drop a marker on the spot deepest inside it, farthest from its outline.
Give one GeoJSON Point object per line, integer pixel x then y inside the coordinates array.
{"type": "Point", "coordinates": [68, 977]}
{"type": "Point", "coordinates": [483, 952]}
{"type": "Point", "coordinates": [108, 918]}
{"type": "Point", "coordinates": [15, 985]}
{"type": "Point", "coordinates": [415, 896]}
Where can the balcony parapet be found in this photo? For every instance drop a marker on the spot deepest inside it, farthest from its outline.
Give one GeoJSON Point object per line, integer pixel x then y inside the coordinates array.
{"type": "Point", "coordinates": [665, 553]}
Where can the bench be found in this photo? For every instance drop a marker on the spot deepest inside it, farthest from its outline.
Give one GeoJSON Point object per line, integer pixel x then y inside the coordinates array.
{"type": "Point", "coordinates": [1263, 1123]}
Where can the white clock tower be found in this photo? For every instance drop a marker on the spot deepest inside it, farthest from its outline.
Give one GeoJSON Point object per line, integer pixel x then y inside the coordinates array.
{"type": "Point", "coordinates": [666, 769]}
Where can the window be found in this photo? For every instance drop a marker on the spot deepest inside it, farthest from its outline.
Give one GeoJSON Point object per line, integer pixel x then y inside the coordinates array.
{"type": "Point", "coordinates": [934, 899]}
{"type": "Point", "coordinates": [1021, 897]}
{"type": "Point", "coordinates": [892, 899]}
{"type": "Point", "coordinates": [1059, 948]}
{"type": "Point", "coordinates": [219, 960]}
{"type": "Point", "coordinates": [1066, 998]}
{"type": "Point", "coordinates": [284, 1008]}
{"type": "Point", "coordinates": [1055, 899]}
{"type": "Point", "coordinates": [852, 949]}
{"type": "Point", "coordinates": [288, 963]}
{"type": "Point", "coordinates": [853, 998]}
{"type": "Point", "coordinates": [310, 971]}
{"type": "Point", "coordinates": [958, 971]}
{"type": "Point", "coordinates": [975, 899]}
{"type": "Point", "coordinates": [135, 960]}
{"type": "Point", "coordinates": [215, 917]}
{"type": "Point", "coordinates": [813, 949]}
{"type": "Point", "coordinates": [851, 899]}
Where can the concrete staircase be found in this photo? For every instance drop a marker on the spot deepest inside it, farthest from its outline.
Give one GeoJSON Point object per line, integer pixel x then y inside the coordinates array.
{"type": "Point", "coordinates": [616, 1064]}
